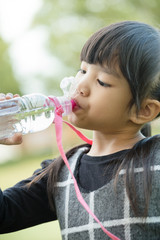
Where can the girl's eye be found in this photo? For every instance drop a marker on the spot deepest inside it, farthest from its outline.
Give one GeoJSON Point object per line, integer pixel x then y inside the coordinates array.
{"type": "Point", "coordinates": [103, 84]}
{"type": "Point", "coordinates": [82, 71]}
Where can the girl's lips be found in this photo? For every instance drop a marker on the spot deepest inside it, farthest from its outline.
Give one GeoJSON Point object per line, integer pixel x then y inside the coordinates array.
{"type": "Point", "coordinates": [75, 105]}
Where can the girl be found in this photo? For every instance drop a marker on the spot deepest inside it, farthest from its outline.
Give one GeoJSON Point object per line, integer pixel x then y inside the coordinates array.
{"type": "Point", "coordinates": [117, 93]}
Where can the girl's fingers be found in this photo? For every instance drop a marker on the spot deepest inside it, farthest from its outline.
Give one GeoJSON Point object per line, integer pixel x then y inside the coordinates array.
{"type": "Point", "coordinates": [15, 140]}
{"type": "Point", "coordinates": [10, 95]}
{"type": "Point", "coordinates": [2, 96]}
{"type": "Point", "coordinates": [7, 96]}
{"type": "Point", "coordinates": [16, 95]}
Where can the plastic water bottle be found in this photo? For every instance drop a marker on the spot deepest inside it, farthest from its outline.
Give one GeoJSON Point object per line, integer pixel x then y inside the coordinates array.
{"type": "Point", "coordinates": [32, 113]}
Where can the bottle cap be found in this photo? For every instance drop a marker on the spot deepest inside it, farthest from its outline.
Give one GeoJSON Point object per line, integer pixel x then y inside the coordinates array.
{"type": "Point", "coordinates": [66, 86]}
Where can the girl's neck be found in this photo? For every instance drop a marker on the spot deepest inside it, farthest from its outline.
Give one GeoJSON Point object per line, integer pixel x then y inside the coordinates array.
{"type": "Point", "coordinates": [105, 145]}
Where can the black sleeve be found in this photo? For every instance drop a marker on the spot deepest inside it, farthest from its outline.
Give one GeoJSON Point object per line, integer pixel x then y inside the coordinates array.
{"type": "Point", "coordinates": [21, 207]}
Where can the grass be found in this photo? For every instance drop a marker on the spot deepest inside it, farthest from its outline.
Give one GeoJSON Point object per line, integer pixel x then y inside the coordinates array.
{"type": "Point", "coordinates": [47, 231]}
{"type": "Point", "coordinates": [11, 173]}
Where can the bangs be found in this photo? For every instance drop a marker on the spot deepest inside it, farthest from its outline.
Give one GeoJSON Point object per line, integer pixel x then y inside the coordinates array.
{"type": "Point", "coordinates": [130, 48]}
{"type": "Point", "coordinates": [101, 48]}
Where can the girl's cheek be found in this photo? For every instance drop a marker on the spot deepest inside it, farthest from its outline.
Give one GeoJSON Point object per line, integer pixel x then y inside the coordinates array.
{"type": "Point", "coordinates": [74, 86]}
{"type": "Point", "coordinates": [78, 77]}
{"type": "Point", "coordinates": [77, 80]}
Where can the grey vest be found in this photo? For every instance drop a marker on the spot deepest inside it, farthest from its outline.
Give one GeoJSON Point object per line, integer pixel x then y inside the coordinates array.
{"type": "Point", "coordinates": [112, 208]}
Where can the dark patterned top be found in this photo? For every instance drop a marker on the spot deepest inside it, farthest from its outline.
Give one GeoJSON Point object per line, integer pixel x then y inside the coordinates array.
{"type": "Point", "coordinates": [21, 207]}
{"type": "Point", "coordinates": [112, 208]}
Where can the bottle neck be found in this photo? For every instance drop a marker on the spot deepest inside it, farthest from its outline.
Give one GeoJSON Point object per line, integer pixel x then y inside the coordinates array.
{"type": "Point", "coordinates": [64, 104]}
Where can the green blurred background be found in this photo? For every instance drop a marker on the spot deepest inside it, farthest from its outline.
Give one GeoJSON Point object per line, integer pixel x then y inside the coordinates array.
{"type": "Point", "coordinates": [34, 59]}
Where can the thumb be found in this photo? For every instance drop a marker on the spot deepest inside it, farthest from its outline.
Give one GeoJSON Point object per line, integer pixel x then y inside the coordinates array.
{"type": "Point", "coordinates": [15, 140]}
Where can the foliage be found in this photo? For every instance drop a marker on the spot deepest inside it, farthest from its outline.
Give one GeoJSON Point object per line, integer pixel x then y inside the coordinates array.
{"type": "Point", "coordinates": [8, 81]}
{"type": "Point", "coordinates": [68, 24]}
{"type": "Point", "coordinates": [149, 8]}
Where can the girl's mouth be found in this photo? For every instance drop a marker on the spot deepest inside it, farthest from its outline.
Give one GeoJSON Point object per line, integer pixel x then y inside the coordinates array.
{"type": "Point", "coordinates": [75, 105]}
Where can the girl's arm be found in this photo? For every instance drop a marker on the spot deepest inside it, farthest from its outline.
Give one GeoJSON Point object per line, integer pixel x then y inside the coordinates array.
{"type": "Point", "coordinates": [22, 207]}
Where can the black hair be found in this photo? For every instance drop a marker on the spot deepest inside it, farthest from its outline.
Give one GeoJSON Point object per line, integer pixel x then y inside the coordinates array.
{"type": "Point", "coordinates": [135, 48]}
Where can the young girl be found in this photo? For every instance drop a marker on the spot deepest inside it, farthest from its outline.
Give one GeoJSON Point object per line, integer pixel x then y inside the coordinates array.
{"type": "Point", "coordinates": [117, 93]}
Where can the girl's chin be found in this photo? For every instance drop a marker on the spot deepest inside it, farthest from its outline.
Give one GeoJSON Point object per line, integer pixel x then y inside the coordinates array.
{"type": "Point", "coordinates": [74, 121]}
{"type": "Point", "coordinates": [76, 108]}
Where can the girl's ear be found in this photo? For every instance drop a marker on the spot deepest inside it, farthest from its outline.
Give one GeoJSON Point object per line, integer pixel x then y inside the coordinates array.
{"type": "Point", "coordinates": [150, 108]}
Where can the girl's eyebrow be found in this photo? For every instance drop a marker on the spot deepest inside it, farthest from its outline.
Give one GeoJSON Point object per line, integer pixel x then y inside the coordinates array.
{"type": "Point", "coordinates": [111, 72]}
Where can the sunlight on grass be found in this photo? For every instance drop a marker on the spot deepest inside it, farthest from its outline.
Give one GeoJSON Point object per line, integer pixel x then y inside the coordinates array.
{"type": "Point", "coordinates": [47, 231]}
{"type": "Point", "coordinates": [11, 174]}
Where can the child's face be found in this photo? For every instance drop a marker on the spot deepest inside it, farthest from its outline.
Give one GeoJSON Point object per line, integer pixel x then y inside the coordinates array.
{"type": "Point", "coordinates": [102, 99]}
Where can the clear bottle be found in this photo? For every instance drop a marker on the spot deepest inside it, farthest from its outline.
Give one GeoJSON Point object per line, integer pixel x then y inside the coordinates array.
{"type": "Point", "coordinates": [31, 113]}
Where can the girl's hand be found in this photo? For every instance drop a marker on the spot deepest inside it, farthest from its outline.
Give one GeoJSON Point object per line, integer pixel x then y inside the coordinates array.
{"type": "Point", "coordinates": [17, 138]}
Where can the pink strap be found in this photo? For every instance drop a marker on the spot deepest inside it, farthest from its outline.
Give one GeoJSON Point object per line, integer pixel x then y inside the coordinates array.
{"type": "Point", "coordinates": [83, 137]}
{"type": "Point", "coordinates": [58, 128]}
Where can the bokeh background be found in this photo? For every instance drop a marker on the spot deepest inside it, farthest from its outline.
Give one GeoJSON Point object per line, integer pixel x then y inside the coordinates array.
{"type": "Point", "coordinates": [40, 42]}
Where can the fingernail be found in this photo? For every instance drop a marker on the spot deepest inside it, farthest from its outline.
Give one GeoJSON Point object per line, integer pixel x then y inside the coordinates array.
{"type": "Point", "coordinates": [2, 95]}
{"type": "Point", "coordinates": [10, 95]}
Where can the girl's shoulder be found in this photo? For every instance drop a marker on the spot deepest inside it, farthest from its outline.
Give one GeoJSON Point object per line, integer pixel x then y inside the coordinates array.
{"type": "Point", "coordinates": [44, 164]}
{"type": "Point", "coordinates": [147, 151]}
{"type": "Point", "coordinates": [151, 148]}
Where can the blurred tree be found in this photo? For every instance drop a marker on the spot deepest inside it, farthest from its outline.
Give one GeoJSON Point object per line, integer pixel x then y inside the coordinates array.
{"type": "Point", "coordinates": [68, 24]}
{"type": "Point", "coordinates": [149, 8]}
{"type": "Point", "coordinates": [8, 81]}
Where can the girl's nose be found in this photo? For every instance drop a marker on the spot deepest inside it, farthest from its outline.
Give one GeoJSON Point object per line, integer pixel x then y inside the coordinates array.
{"type": "Point", "coordinates": [82, 90]}
{"type": "Point", "coordinates": [82, 86]}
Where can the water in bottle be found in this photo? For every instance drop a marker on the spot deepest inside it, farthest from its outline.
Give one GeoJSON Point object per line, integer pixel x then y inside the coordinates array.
{"type": "Point", "coordinates": [32, 113]}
